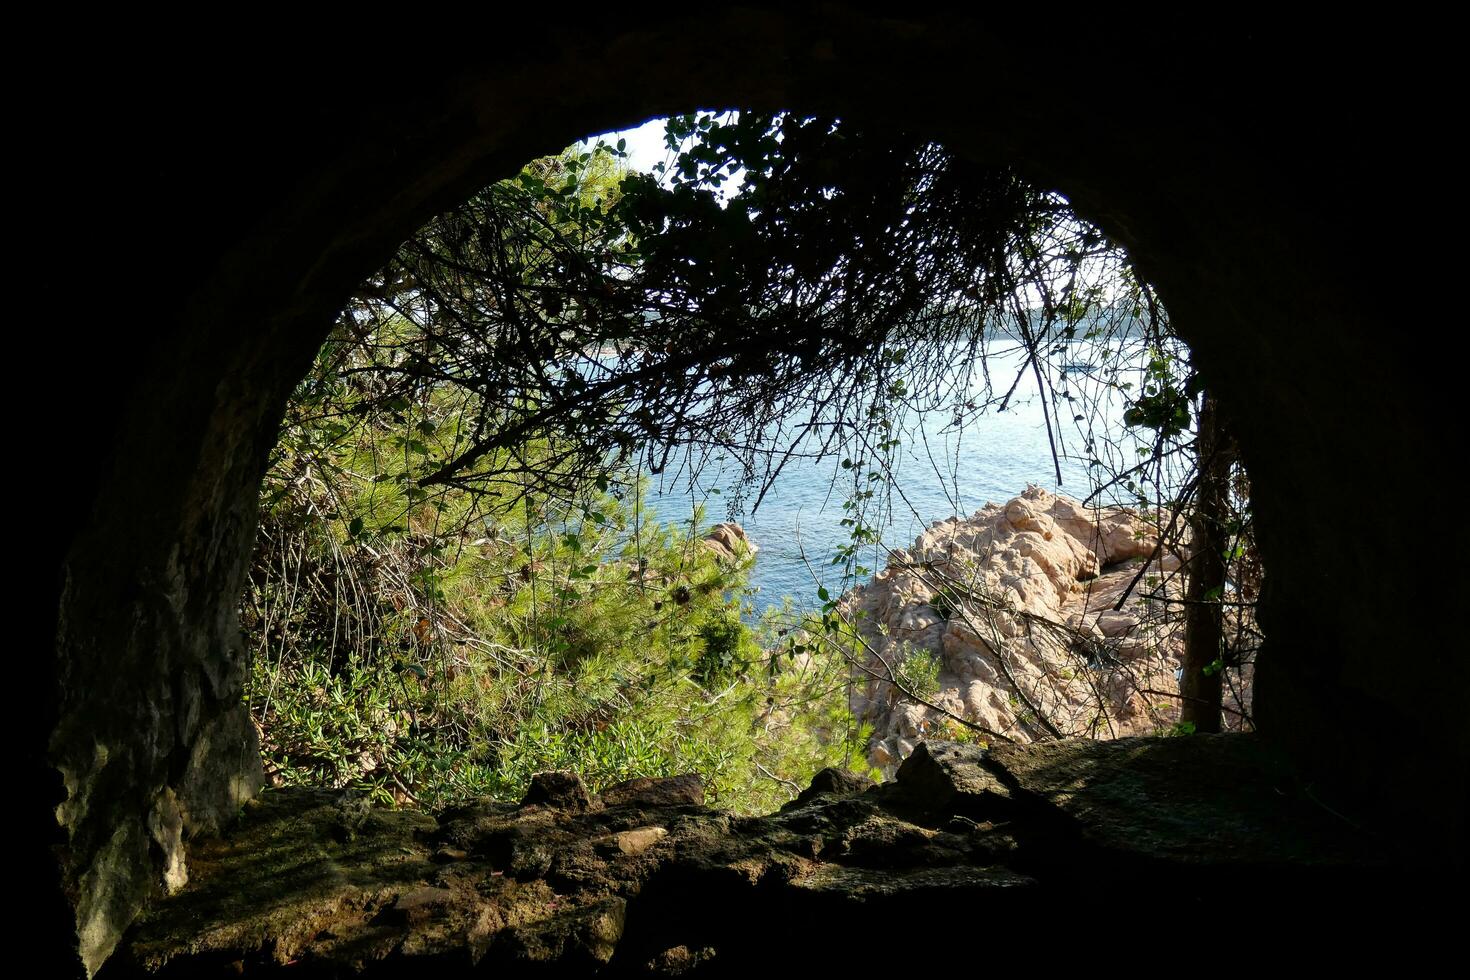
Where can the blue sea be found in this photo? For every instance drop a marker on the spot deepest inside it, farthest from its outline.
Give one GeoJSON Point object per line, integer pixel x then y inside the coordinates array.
{"type": "Point", "coordinates": [941, 471]}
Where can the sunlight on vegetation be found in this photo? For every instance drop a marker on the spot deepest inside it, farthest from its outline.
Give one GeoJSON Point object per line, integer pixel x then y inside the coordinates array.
{"type": "Point", "coordinates": [428, 648]}
{"type": "Point", "coordinates": [457, 582]}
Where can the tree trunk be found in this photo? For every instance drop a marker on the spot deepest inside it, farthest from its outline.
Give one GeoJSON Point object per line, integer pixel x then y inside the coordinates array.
{"type": "Point", "coordinates": [1204, 633]}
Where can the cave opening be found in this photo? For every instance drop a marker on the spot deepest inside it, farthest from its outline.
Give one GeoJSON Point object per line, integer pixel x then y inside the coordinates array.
{"type": "Point", "coordinates": [435, 613]}
{"type": "Point", "coordinates": [1254, 271]}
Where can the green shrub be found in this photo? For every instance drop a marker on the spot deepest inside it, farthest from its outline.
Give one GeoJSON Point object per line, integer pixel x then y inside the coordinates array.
{"type": "Point", "coordinates": [427, 641]}
{"type": "Point", "coordinates": [917, 672]}
{"type": "Point", "coordinates": [428, 648]}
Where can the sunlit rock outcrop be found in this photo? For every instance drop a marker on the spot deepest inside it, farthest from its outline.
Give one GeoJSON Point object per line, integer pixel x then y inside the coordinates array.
{"type": "Point", "coordinates": [730, 543]}
{"type": "Point", "coordinates": [1043, 617]}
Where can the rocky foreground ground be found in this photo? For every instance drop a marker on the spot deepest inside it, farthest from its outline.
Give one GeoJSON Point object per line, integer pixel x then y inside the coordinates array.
{"type": "Point", "coordinates": [1075, 854]}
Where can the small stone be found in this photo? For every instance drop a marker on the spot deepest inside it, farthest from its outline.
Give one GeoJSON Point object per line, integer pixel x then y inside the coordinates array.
{"type": "Point", "coordinates": [418, 904]}
{"type": "Point", "coordinates": [951, 777]}
{"type": "Point", "coordinates": [634, 842]}
{"type": "Point", "coordinates": [833, 782]}
{"type": "Point", "coordinates": [647, 791]}
{"type": "Point", "coordinates": [678, 960]}
{"type": "Point", "coordinates": [561, 790]}
{"type": "Point", "coordinates": [446, 854]}
{"type": "Point", "coordinates": [730, 543]}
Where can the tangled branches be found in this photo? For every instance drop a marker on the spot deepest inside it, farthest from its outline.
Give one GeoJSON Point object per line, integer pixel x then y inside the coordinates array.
{"type": "Point", "coordinates": [619, 317]}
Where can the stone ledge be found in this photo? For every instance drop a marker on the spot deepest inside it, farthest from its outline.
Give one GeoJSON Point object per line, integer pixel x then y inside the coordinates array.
{"type": "Point", "coordinates": [313, 884]}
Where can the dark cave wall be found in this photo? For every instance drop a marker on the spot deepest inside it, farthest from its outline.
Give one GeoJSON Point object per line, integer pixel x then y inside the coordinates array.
{"type": "Point", "coordinates": [1245, 171]}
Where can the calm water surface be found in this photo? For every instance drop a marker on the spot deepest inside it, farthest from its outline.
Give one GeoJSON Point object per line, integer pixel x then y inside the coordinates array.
{"type": "Point", "coordinates": [941, 474]}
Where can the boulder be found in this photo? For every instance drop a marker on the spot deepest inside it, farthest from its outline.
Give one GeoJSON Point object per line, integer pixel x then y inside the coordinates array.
{"type": "Point", "coordinates": [1017, 603]}
{"type": "Point", "coordinates": [951, 777]}
{"type": "Point", "coordinates": [730, 543]}
{"type": "Point", "coordinates": [636, 841]}
{"type": "Point", "coordinates": [560, 790]}
{"type": "Point", "coordinates": [655, 791]}
{"type": "Point", "coordinates": [834, 783]}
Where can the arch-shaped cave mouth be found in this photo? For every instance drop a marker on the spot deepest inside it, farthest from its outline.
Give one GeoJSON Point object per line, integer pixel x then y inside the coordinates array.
{"type": "Point", "coordinates": [465, 575]}
{"type": "Point", "coordinates": [512, 637]}
{"type": "Point", "coordinates": [1256, 284]}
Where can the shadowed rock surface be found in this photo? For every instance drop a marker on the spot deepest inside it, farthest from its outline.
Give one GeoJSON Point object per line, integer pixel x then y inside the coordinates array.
{"type": "Point", "coordinates": [1261, 174]}
{"type": "Point", "coordinates": [644, 880]}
